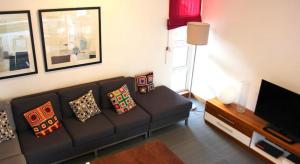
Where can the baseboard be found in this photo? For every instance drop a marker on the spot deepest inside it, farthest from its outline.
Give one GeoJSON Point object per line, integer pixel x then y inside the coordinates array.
{"type": "Point", "coordinates": [185, 93]}
{"type": "Point", "coordinates": [198, 98]}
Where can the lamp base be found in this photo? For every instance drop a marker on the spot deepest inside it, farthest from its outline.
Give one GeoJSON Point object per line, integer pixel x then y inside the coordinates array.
{"type": "Point", "coordinates": [194, 107]}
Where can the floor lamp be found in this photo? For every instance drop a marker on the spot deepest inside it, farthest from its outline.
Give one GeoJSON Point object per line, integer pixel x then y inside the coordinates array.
{"type": "Point", "coordinates": [197, 34]}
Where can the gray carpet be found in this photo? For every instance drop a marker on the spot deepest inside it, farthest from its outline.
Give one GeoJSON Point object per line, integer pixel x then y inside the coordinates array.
{"type": "Point", "coordinates": [195, 144]}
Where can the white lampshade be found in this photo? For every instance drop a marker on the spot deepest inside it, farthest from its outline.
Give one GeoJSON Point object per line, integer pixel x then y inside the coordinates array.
{"type": "Point", "coordinates": [197, 33]}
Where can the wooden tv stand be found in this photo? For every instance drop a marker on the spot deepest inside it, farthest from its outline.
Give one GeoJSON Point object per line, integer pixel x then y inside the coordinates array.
{"type": "Point", "coordinates": [245, 128]}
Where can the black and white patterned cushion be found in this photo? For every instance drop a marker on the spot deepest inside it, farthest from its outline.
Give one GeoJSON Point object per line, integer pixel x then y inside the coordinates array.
{"type": "Point", "coordinates": [6, 132]}
{"type": "Point", "coordinates": [85, 106]}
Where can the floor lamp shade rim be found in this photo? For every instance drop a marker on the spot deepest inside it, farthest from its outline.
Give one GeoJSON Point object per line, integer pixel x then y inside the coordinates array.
{"type": "Point", "coordinates": [197, 33]}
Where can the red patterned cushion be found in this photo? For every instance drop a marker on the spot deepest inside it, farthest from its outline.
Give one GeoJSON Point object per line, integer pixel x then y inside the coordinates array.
{"type": "Point", "coordinates": [42, 119]}
{"type": "Point", "coordinates": [121, 99]}
{"type": "Point", "coordinates": [144, 82]}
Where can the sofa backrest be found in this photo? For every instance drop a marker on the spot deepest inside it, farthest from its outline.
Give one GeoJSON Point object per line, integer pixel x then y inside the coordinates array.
{"type": "Point", "coordinates": [60, 99]}
{"type": "Point", "coordinates": [107, 86]}
{"type": "Point", "coordinates": [24, 104]}
{"type": "Point", "coordinates": [71, 93]}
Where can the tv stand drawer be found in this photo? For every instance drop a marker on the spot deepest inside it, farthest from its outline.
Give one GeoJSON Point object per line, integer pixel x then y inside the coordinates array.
{"type": "Point", "coordinates": [229, 120]}
{"type": "Point", "coordinates": [227, 129]}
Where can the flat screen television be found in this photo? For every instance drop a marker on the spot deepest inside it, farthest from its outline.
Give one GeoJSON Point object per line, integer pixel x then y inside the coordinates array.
{"type": "Point", "coordinates": [281, 109]}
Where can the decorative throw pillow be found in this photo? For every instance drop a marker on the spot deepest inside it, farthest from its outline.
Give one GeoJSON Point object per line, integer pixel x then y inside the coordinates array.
{"type": "Point", "coordinates": [42, 119]}
{"type": "Point", "coordinates": [6, 132]}
{"type": "Point", "coordinates": [85, 106]}
{"type": "Point", "coordinates": [121, 99]}
{"type": "Point", "coordinates": [144, 82]}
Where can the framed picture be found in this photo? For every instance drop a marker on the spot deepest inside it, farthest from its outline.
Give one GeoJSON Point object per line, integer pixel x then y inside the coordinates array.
{"type": "Point", "coordinates": [71, 37]}
{"type": "Point", "coordinates": [17, 55]}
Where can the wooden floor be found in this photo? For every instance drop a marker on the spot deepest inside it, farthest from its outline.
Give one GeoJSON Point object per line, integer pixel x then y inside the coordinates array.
{"type": "Point", "coordinates": [195, 144]}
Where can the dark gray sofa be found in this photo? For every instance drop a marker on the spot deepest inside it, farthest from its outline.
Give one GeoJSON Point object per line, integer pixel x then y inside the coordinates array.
{"type": "Point", "coordinates": [10, 151]}
{"type": "Point", "coordinates": [154, 110]}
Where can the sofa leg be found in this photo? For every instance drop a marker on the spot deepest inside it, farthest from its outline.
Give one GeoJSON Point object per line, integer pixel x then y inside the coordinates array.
{"type": "Point", "coordinates": [146, 135]}
{"type": "Point", "coordinates": [186, 122]}
{"type": "Point", "coordinates": [96, 153]}
{"type": "Point", "coordinates": [149, 133]}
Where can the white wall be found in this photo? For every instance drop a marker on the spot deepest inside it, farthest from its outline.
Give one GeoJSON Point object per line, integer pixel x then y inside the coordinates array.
{"type": "Point", "coordinates": [250, 40]}
{"type": "Point", "coordinates": [134, 37]}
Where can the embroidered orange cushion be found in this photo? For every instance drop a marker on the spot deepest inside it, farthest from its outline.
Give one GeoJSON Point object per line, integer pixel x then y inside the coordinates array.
{"type": "Point", "coordinates": [42, 119]}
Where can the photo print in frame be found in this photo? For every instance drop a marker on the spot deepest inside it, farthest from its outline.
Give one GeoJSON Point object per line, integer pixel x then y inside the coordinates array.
{"type": "Point", "coordinates": [17, 54]}
{"type": "Point", "coordinates": [71, 37]}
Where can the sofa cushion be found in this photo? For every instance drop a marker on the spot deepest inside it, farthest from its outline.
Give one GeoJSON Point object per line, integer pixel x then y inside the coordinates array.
{"type": "Point", "coordinates": [16, 159]}
{"type": "Point", "coordinates": [85, 106]}
{"type": "Point", "coordinates": [22, 105]}
{"type": "Point", "coordinates": [94, 128]}
{"type": "Point", "coordinates": [5, 106]}
{"type": "Point", "coordinates": [121, 100]}
{"type": "Point", "coordinates": [71, 93]}
{"type": "Point", "coordinates": [45, 149]}
{"type": "Point", "coordinates": [163, 102]}
{"type": "Point", "coordinates": [168, 120]}
{"type": "Point", "coordinates": [110, 85]}
{"type": "Point", "coordinates": [42, 119]}
{"type": "Point", "coordinates": [6, 132]}
{"type": "Point", "coordinates": [144, 82]}
{"type": "Point", "coordinates": [9, 148]}
{"type": "Point", "coordinates": [135, 118]}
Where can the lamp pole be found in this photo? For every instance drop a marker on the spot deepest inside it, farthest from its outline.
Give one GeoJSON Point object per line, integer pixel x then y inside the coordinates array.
{"type": "Point", "coordinates": [192, 76]}
{"type": "Point", "coordinates": [197, 34]}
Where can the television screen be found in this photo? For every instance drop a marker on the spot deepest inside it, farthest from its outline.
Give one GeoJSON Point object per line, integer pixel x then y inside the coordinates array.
{"type": "Point", "coordinates": [280, 107]}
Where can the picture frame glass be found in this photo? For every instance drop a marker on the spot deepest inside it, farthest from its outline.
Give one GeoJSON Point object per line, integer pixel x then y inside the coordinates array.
{"type": "Point", "coordinates": [17, 56]}
{"type": "Point", "coordinates": [71, 37]}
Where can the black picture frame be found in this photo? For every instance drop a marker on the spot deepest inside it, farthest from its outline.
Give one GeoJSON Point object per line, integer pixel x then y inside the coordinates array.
{"type": "Point", "coordinates": [42, 29]}
{"type": "Point", "coordinates": [32, 64]}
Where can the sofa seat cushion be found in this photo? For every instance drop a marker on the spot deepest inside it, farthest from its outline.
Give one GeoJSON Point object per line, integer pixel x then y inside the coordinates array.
{"type": "Point", "coordinates": [9, 148]}
{"type": "Point", "coordinates": [16, 159]}
{"type": "Point", "coordinates": [163, 102]}
{"type": "Point", "coordinates": [45, 149]}
{"type": "Point", "coordinates": [93, 129]}
{"type": "Point", "coordinates": [135, 118]}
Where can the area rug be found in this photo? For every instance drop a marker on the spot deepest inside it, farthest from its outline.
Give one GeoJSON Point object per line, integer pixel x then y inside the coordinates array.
{"type": "Point", "coordinates": [153, 152]}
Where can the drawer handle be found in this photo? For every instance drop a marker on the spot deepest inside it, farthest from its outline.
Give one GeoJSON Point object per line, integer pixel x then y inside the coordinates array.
{"type": "Point", "coordinates": [225, 128]}
{"type": "Point", "coordinates": [226, 119]}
